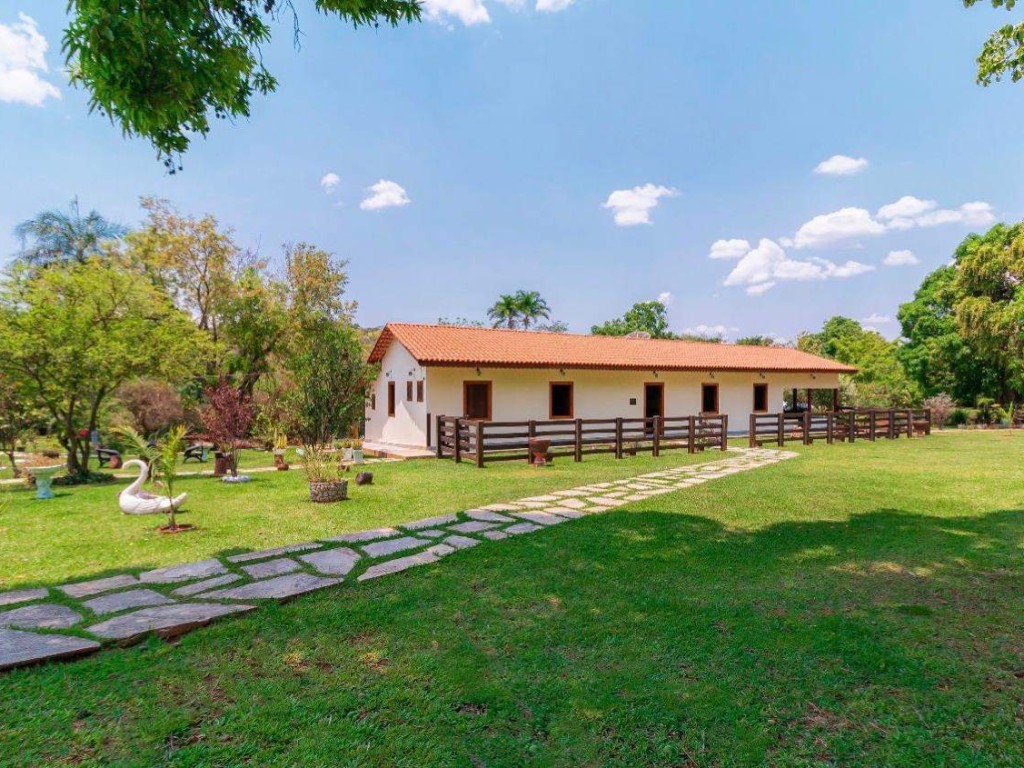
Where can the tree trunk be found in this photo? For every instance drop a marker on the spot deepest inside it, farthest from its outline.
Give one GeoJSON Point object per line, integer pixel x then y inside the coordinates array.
{"type": "Point", "coordinates": [14, 465]}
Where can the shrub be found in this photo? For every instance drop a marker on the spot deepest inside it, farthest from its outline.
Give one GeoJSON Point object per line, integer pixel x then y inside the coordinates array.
{"type": "Point", "coordinates": [986, 411]}
{"type": "Point", "coordinates": [153, 405]}
{"type": "Point", "coordinates": [227, 418]}
{"type": "Point", "coordinates": [942, 407]}
{"type": "Point", "coordinates": [958, 418]}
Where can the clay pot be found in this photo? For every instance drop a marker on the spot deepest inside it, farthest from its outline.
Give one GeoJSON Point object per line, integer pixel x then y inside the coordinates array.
{"type": "Point", "coordinates": [280, 463]}
{"type": "Point", "coordinates": [223, 464]}
{"type": "Point", "coordinates": [539, 447]}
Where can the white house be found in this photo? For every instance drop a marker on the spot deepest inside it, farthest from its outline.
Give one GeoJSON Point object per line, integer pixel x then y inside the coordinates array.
{"type": "Point", "coordinates": [502, 375]}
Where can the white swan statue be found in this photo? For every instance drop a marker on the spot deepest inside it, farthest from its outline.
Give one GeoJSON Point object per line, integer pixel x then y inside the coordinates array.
{"type": "Point", "coordinates": [134, 501]}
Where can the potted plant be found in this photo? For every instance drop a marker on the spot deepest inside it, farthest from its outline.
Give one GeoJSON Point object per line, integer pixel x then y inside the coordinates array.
{"type": "Point", "coordinates": [346, 447]}
{"type": "Point", "coordinates": [357, 450]}
{"type": "Point", "coordinates": [280, 446]}
{"type": "Point", "coordinates": [326, 483]}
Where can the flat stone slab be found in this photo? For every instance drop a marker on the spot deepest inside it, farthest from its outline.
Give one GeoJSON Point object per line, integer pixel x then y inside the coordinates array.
{"type": "Point", "coordinates": [18, 648]}
{"type": "Point", "coordinates": [332, 562]}
{"type": "Point", "coordinates": [269, 568]}
{"type": "Point", "coordinates": [430, 522]}
{"type": "Point", "coordinates": [277, 588]}
{"type": "Point", "coordinates": [94, 587]}
{"type": "Point", "coordinates": [389, 547]}
{"type": "Point", "coordinates": [495, 535]}
{"type": "Point", "coordinates": [572, 503]}
{"type": "Point", "coordinates": [43, 616]}
{"type": "Point", "coordinates": [565, 512]}
{"type": "Point", "coordinates": [275, 552]}
{"type": "Point", "coordinates": [201, 586]}
{"type": "Point", "coordinates": [543, 518]}
{"type": "Point", "coordinates": [122, 601]}
{"type": "Point", "coordinates": [401, 564]}
{"type": "Point", "coordinates": [461, 542]}
{"type": "Point", "coordinates": [187, 572]}
{"type": "Point", "coordinates": [539, 498]}
{"type": "Point", "coordinates": [473, 526]}
{"type": "Point", "coordinates": [441, 550]}
{"type": "Point", "coordinates": [488, 516]}
{"type": "Point", "coordinates": [167, 620]}
{"type": "Point", "coordinates": [371, 535]}
{"type": "Point", "coordinates": [22, 596]}
{"type": "Point", "coordinates": [521, 528]}
{"type": "Point", "coordinates": [433, 533]}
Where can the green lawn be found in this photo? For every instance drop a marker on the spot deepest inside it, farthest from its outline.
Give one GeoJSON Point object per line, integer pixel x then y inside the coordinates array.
{"type": "Point", "coordinates": [82, 533]}
{"type": "Point", "coordinates": [859, 606]}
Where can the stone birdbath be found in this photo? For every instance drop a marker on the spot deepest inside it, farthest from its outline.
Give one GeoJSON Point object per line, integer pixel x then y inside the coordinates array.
{"type": "Point", "coordinates": [44, 480]}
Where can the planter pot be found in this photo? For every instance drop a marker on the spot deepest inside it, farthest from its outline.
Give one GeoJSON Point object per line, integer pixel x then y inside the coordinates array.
{"type": "Point", "coordinates": [327, 491]}
{"type": "Point", "coordinates": [223, 463]}
{"type": "Point", "coordinates": [539, 448]}
{"type": "Point", "coordinates": [44, 479]}
{"type": "Point", "coordinates": [348, 454]}
{"type": "Point", "coordinates": [357, 455]}
{"type": "Point", "coordinates": [279, 462]}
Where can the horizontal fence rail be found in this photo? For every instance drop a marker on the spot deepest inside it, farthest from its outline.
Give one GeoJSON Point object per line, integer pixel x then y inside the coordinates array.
{"type": "Point", "coordinates": [481, 441]}
{"type": "Point", "coordinates": [848, 426]}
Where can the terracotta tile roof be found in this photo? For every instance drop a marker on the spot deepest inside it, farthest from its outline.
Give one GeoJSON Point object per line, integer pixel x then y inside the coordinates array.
{"type": "Point", "coordinates": [449, 345]}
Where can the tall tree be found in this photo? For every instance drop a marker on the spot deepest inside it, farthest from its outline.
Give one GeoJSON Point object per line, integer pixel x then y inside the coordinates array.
{"type": "Point", "coordinates": [74, 333]}
{"type": "Point", "coordinates": [505, 311]}
{"type": "Point", "coordinates": [160, 68]}
{"type": "Point", "coordinates": [532, 307]}
{"type": "Point", "coordinates": [645, 316]}
{"type": "Point", "coordinates": [1003, 52]}
{"type": "Point", "coordinates": [53, 237]}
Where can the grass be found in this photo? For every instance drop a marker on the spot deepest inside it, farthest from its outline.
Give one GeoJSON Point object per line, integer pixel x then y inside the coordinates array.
{"type": "Point", "coordinates": [859, 606]}
{"type": "Point", "coordinates": [81, 533]}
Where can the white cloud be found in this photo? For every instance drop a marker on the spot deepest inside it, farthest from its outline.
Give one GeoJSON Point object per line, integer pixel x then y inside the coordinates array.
{"type": "Point", "coordinates": [876, 319]}
{"type": "Point", "coordinates": [385, 194]}
{"type": "Point", "coordinates": [729, 249]}
{"type": "Point", "coordinates": [909, 212]}
{"type": "Point", "coordinates": [901, 259]}
{"type": "Point", "coordinates": [469, 12]}
{"type": "Point", "coordinates": [329, 182]}
{"type": "Point", "coordinates": [976, 214]}
{"type": "Point", "coordinates": [711, 331]}
{"type": "Point", "coordinates": [841, 165]}
{"type": "Point", "coordinates": [665, 298]}
{"type": "Point", "coordinates": [22, 59]}
{"type": "Point", "coordinates": [633, 206]}
{"type": "Point", "coordinates": [768, 264]}
{"type": "Point", "coordinates": [836, 227]}
{"type": "Point", "coordinates": [553, 6]}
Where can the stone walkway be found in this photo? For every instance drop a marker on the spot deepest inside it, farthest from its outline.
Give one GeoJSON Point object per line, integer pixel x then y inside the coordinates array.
{"type": "Point", "coordinates": [78, 618]}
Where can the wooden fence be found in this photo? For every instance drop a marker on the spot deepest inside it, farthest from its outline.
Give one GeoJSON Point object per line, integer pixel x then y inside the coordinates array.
{"type": "Point", "coordinates": [479, 441]}
{"type": "Point", "coordinates": [778, 428]}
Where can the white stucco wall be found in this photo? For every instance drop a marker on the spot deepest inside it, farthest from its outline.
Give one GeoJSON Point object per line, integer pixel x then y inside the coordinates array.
{"type": "Point", "coordinates": [521, 394]}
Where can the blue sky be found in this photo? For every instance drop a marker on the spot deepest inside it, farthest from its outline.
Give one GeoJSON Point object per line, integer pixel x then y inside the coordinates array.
{"type": "Point", "coordinates": [510, 135]}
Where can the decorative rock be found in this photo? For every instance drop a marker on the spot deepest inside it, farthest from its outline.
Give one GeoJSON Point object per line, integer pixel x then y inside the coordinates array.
{"type": "Point", "coordinates": [399, 564]}
{"type": "Point", "coordinates": [186, 572]}
{"type": "Point", "coordinates": [389, 547]}
{"type": "Point", "coordinates": [332, 562]}
{"type": "Point", "coordinates": [271, 568]}
{"type": "Point", "coordinates": [86, 588]}
{"type": "Point", "coordinates": [542, 518]}
{"type": "Point", "coordinates": [22, 596]}
{"type": "Point", "coordinates": [166, 621]}
{"type": "Point", "coordinates": [202, 586]}
{"type": "Point", "coordinates": [122, 601]}
{"type": "Point", "coordinates": [43, 616]}
{"type": "Point", "coordinates": [275, 552]}
{"type": "Point", "coordinates": [278, 588]}
{"type": "Point", "coordinates": [461, 542]}
{"type": "Point", "coordinates": [19, 648]}
{"type": "Point", "coordinates": [376, 533]}
{"type": "Point", "coordinates": [488, 516]}
{"type": "Point", "coordinates": [430, 522]}
{"type": "Point", "coordinates": [364, 478]}
{"type": "Point", "coordinates": [521, 528]}
{"type": "Point", "coordinates": [474, 526]}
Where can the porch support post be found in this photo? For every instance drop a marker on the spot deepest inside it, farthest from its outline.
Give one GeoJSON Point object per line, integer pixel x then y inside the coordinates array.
{"type": "Point", "coordinates": [835, 399]}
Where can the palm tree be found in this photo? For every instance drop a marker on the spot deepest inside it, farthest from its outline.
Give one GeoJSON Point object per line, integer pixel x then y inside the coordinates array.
{"type": "Point", "coordinates": [505, 310]}
{"type": "Point", "coordinates": [531, 307]}
{"type": "Point", "coordinates": [54, 236]}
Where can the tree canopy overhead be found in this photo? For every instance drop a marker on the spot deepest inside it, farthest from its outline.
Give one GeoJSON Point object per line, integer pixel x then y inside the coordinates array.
{"type": "Point", "coordinates": [1003, 52]}
{"type": "Point", "coordinates": [159, 68]}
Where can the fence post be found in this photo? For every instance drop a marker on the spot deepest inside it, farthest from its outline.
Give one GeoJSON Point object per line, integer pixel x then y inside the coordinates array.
{"type": "Point", "coordinates": [928, 422]}
{"type": "Point", "coordinates": [656, 448]}
{"type": "Point", "coordinates": [479, 444]}
{"type": "Point", "coordinates": [440, 436]}
{"type": "Point", "coordinates": [807, 428]}
{"type": "Point", "coordinates": [910, 423]}
{"type": "Point", "coordinates": [618, 437]}
{"type": "Point", "coordinates": [458, 441]}
{"type": "Point", "coordinates": [725, 432]}
{"type": "Point", "coordinates": [782, 430]}
{"type": "Point", "coordinates": [830, 428]}
{"type": "Point", "coordinates": [531, 432]}
{"type": "Point", "coordinates": [853, 426]}
{"type": "Point", "coordinates": [872, 419]}
{"type": "Point", "coordinates": [691, 445]}
{"type": "Point", "coordinates": [578, 454]}
{"type": "Point", "coordinates": [753, 431]}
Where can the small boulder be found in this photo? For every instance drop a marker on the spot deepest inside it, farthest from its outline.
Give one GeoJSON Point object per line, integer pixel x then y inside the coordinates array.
{"type": "Point", "coordinates": [364, 478]}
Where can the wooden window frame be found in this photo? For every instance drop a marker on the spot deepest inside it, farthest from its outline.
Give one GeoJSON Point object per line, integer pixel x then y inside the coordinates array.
{"type": "Point", "coordinates": [718, 402]}
{"type": "Point", "coordinates": [760, 386]}
{"type": "Point", "coordinates": [392, 398]}
{"type": "Point", "coordinates": [408, 391]}
{"type": "Point", "coordinates": [419, 391]}
{"type": "Point", "coordinates": [551, 400]}
{"type": "Point", "coordinates": [465, 398]}
{"type": "Point", "coordinates": [373, 401]}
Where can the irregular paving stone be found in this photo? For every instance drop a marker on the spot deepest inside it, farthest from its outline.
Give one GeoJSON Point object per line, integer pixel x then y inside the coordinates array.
{"type": "Point", "coordinates": [488, 516]}
{"type": "Point", "coordinates": [433, 533]}
{"type": "Point", "coordinates": [18, 648]}
{"type": "Point", "coordinates": [271, 568]}
{"type": "Point", "coordinates": [474, 526]}
{"type": "Point", "coordinates": [606, 501]}
{"type": "Point", "coordinates": [94, 587]}
{"type": "Point", "coordinates": [202, 586]}
{"type": "Point", "coordinates": [187, 572]}
{"type": "Point", "coordinates": [571, 492]}
{"type": "Point", "coordinates": [495, 535]}
{"type": "Point", "coordinates": [441, 550]}
{"type": "Point", "coordinates": [43, 616]}
{"type": "Point", "coordinates": [122, 601]}
{"type": "Point", "coordinates": [275, 552]}
{"type": "Point", "coordinates": [278, 588]}
{"type": "Point", "coordinates": [167, 620]}
{"type": "Point", "coordinates": [400, 564]}
{"type": "Point", "coordinates": [22, 596]}
{"type": "Point", "coordinates": [565, 512]}
{"type": "Point", "coordinates": [539, 498]}
{"type": "Point", "coordinates": [520, 528]}
{"type": "Point", "coordinates": [543, 518]}
{"type": "Point", "coordinates": [430, 522]}
{"type": "Point", "coordinates": [461, 542]}
{"type": "Point", "coordinates": [376, 533]}
{"type": "Point", "coordinates": [333, 562]}
{"type": "Point", "coordinates": [573, 503]}
{"type": "Point", "coordinates": [596, 510]}
{"type": "Point", "coordinates": [501, 507]}
{"type": "Point", "coordinates": [389, 547]}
